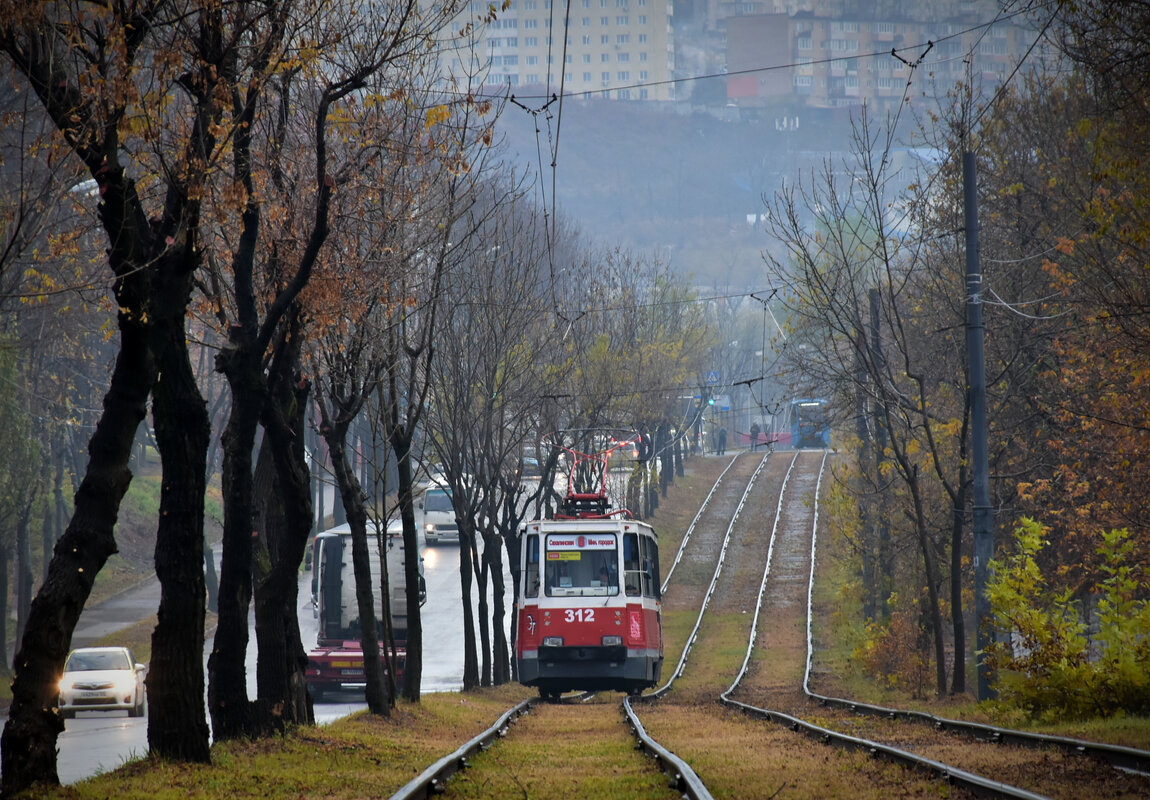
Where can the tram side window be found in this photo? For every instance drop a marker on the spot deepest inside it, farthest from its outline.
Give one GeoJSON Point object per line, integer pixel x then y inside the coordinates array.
{"type": "Point", "coordinates": [653, 568]}
{"type": "Point", "coordinates": [645, 549]}
{"type": "Point", "coordinates": [531, 566]}
{"type": "Point", "coordinates": [632, 573]}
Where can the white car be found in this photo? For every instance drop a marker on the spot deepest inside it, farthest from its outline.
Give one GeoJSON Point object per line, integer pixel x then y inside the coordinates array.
{"type": "Point", "coordinates": [102, 679]}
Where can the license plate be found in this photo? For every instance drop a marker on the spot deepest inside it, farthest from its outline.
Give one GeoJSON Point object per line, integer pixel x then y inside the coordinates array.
{"type": "Point", "coordinates": [92, 694]}
{"type": "Point", "coordinates": [351, 672]}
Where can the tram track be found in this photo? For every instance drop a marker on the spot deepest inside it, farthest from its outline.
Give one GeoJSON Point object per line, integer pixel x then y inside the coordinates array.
{"type": "Point", "coordinates": [713, 749]}
{"type": "Point", "coordinates": [695, 556]}
{"type": "Point", "coordinates": [988, 760]}
{"type": "Point", "coordinates": [734, 755]}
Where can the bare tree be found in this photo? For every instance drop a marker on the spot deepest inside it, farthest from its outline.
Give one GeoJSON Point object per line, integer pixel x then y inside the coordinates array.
{"type": "Point", "coordinates": [439, 170]}
{"type": "Point", "coordinates": [851, 286]}
{"type": "Point", "coordinates": [488, 378]}
{"type": "Point", "coordinates": [335, 54]}
{"type": "Point", "coordinates": [347, 366]}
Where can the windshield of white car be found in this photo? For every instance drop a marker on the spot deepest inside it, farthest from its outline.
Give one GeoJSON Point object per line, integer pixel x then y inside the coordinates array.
{"type": "Point", "coordinates": [110, 659]}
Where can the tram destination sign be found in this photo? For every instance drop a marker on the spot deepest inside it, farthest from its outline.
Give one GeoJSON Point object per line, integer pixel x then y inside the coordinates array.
{"type": "Point", "coordinates": [581, 542]}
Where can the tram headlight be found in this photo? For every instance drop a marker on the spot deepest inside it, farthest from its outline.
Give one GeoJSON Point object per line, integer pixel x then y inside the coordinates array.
{"type": "Point", "coordinates": [552, 641]}
{"type": "Point", "coordinates": [612, 641]}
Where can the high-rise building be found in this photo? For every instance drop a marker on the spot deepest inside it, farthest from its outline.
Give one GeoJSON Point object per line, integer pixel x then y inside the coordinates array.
{"type": "Point", "coordinates": [819, 54]}
{"type": "Point", "coordinates": [841, 53]}
{"type": "Point", "coordinates": [616, 49]}
{"type": "Point", "coordinates": [820, 62]}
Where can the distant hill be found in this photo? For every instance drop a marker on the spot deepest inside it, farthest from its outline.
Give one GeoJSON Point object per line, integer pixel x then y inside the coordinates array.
{"type": "Point", "coordinates": [657, 178]}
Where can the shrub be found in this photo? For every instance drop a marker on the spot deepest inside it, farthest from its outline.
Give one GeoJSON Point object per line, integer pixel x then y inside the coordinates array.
{"type": "Point", "coordinates": [1048, 667]}
{"type": "Point", "coordinates": [897, 652]}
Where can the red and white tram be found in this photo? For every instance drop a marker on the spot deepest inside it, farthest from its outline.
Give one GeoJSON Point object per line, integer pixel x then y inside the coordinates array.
{"type": "Point", "coordinates": [589, 601]}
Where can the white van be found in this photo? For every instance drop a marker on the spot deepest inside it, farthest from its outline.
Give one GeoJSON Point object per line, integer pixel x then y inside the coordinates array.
{"type": "Point", "coordinates": [439, 523]}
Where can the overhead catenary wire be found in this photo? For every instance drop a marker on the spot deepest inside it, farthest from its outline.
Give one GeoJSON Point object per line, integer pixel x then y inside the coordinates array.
{"type": "Point", "coordinates": [921, 48]}
{"type": "Point", "coordinates": [893, 52]}
{"type": "Point", "coordinates": [1014, 307]}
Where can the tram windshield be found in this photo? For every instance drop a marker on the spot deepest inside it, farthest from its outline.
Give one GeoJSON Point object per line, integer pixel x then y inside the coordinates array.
{"type": "Point", "coordinates": [581, 565]}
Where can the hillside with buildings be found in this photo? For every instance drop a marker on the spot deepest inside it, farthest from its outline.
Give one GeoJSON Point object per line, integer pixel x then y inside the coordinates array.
{"type": "Point", "coordinates": [677, 118]}
{"type": "Point", "coordinates": [689, 186]}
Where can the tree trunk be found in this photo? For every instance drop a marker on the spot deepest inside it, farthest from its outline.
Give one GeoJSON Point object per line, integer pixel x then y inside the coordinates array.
{"type": "Point", "coordinates": [634, 490]}
{"type": "Point", "coordinates": [271, 645]}
{"type": "Point", "coordinates": [413, 664]}
{"type": "Point", "coordinates": [211, 578]}
{"type": "Point", "coordinates": [470, 660]}
{"type": "Point", "coordinates": [932, 583]}
{"type": "Point", "coordinates": [482, 614]}
{"type": "Point", "coordinates": [228, 701]}
{"type": "Point", "coordinates": [867, 523]}
{"type": "Point", "coordinates": [500, 653]}
{"type": "Point", "coordinates": [177, 724]}
{"type": "Point", "coordinates": [29, 739]}
{"type": "Point", "coordinates": [654, 482]}
{"type": "Point", "coordinates": [388, 655]}
{"type": "Point", "coordinates": [284, 688]}
{"type": "Point", "coordinates": [666, 462]}
{"type": "Point", "coordinates": [513, 544]}
{"type": "Point", "coordinates": [376, 692]}
{"type": "Point", "coordinates": [479, 572]}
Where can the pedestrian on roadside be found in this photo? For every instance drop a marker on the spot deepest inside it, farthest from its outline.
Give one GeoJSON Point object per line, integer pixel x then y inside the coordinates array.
{"type": "Point", "coordinates": [754, 435]}
{"type": "Point", "coordinates": [722, 448]}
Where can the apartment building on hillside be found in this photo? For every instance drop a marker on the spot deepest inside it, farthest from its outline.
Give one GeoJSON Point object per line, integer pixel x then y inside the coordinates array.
{"type": "Point", "coordinates": [614, 49]}
{"type": "Point", "coordinates": [816, 62]}
{"type": "Point", "coordinates": [817, 54]}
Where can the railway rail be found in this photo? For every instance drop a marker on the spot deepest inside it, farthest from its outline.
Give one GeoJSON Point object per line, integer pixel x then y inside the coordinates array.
{"type": "Point", "coordinates": [1002, 763]}
{"type": "Point", "coordinates": [773, 682]}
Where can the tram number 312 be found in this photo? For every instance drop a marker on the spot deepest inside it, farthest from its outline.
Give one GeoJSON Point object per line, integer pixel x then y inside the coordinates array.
{"type": "Point", "coordinates": [579, 615]}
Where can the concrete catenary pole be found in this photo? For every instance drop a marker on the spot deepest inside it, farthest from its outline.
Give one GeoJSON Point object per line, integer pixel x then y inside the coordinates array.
{"type": "Point", "coordinates": [983, 518]}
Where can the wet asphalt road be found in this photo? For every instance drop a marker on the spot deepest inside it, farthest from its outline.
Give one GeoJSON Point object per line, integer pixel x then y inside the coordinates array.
{"type": "Point", "coordinates": [97, 742]}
